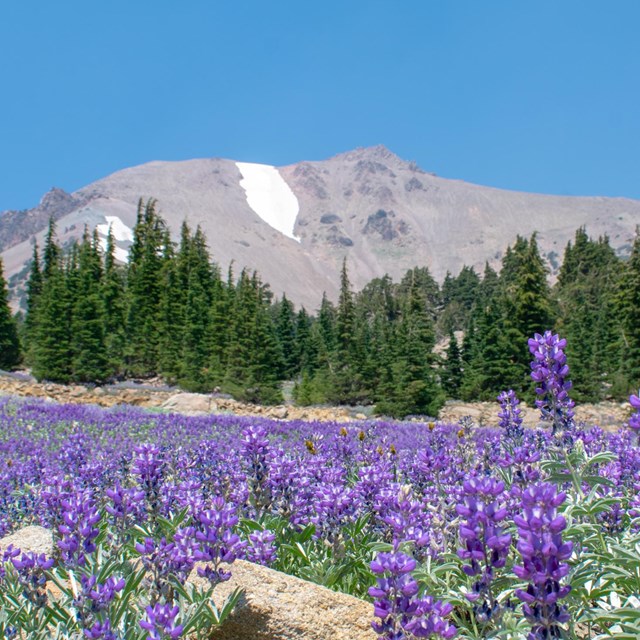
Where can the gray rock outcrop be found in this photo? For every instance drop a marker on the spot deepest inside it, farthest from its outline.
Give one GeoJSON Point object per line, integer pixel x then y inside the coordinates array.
{"type": "Point", "coordinates": [273, 606]}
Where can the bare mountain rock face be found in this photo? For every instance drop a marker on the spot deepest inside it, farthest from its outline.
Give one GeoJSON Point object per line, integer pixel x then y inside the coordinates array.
{"type": "Point", "coordinates": [295, 224]}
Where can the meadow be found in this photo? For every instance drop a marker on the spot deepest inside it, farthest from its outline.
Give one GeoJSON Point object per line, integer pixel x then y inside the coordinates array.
{"type": "Point", "coordinates": [448, 529]}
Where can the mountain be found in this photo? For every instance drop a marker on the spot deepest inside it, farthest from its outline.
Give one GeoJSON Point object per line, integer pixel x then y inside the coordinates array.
{"type": "Point", "coordinates": [295, 224]}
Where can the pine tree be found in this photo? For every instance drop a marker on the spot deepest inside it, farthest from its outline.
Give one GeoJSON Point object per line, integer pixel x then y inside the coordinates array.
{"type": "Point", "coordinates": [345, 359]}
{"type": "Point", "coordinates": [458, 297]}
{"type": "Point", "coordinates": [629, 309]}
{"type": "Point", "coordinates": [586, 282]}
{"type": "Point", "coordinates": [285, 323]}
{"type": "Point", "coordinates": [195, 355]}
{"type": "Point", "coordinates": [221, 297]}
{"type": "Point", "coordinates": [112, 293]}
{"type": "Point", "coordinates": [306, 356]}
{"type": "Point", "coordinates": [52, 253]}
{"type": "Point", "coordinates": [52, 352]}
{"type": "Point", "coordinates": [452, 370]}
{"type": "Point", "coordinates": [9, 343]}
{"type": "Point", "coordinates": [144, 290]}
{"type": "Point", "coordinates": [90, 361]}
{"type": "Point", "coordinates": [34, 289]}
{"type": "Point", "coordinates": [253, 357]}
{"type": "Point", "coordinates": [531, 304]}
{"type": "Point", "coordinates": [170, 315]}
{"type": "Point", "coordinates": [414, 390]}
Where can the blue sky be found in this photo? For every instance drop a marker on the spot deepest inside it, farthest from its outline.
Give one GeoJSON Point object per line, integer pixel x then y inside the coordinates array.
{"type": "Point", "coordinates": [538, 96]}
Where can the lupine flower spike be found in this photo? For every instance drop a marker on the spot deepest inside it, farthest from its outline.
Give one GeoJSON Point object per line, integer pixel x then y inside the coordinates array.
{"type": "Point", "coordinates": [544, 556]}
{"type": "Point", "coordinates": [549, 370]}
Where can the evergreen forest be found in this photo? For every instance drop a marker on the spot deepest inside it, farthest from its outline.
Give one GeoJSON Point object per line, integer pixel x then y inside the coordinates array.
{"type": "Point", "coordinates": [171, 312]}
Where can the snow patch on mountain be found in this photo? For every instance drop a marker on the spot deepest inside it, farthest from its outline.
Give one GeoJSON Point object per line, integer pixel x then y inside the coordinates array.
{"type": "Point", "coordinates": [121, 233]}
{"type": "Point", "coordinates": [270, 196]}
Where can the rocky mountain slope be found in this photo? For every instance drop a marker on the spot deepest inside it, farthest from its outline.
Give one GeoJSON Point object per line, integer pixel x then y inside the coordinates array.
{"type": "Point", "coordinates": [295, 224]}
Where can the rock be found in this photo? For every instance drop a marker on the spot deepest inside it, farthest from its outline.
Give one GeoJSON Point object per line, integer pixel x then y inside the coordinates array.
{"type": "Point", "coordinates": [77, 391]}
{"type": "Point", "coordinates": [31, 538]}
{"type": "Point", "coordinates": [280, 413]}
{"type": "Point", "coordinates": [99, 391]}
{"type": "Point", "coordinates": [190, 404]}
{"type": "Point", "coordinates": [140, 400]}
{"type": "Point", "coordinates": [276, 606]}
{"type": "Point", "coordinates": [360, 416]}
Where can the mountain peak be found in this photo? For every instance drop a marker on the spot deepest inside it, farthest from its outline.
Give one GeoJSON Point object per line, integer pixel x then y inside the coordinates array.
{"type": "Point", "coordinates": [376, 152]}
{"type": "Point", "coordinates": [55, 198]}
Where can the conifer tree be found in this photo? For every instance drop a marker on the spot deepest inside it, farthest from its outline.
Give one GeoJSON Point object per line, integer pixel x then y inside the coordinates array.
{"type": "Point", "coordinates": [34, 289]}
{"type": "Point", "coordinates": [253, 357]}
{"type": "Point", "coordinates": [315, 385]}
{"type": "Point", "coordinates": [285, 323]}
{"type": "Point", "coordinates": [530, 293]}
{"type": "Point", "coordinates": [90, 362]}
{"type": "Point", "coordinates": [415, 389]}
{"type": "Point", "coordinates": [9, 343]}
{"type": "Point", "coordinates": [221, 297]}
{"type": "Point", "coordinates": [52, 254]}
{"type": "Point", "coordinates": [112, 293]}
{"type": "Point", "coordinates": [52, 352]}
{"type": "Point", "coordinates": [458, 297]}
{"type": "Point", "coordinates": [144, 290]}
{"type": "Point", "coordinates": [452, 370]}
{"type": "Point", "coordinates": [345, 380]}
{"type": "Point", "coordinates": [170, 315]}
{"type": "Point", "coordinates": [306, 355]}
{"type": "Point", "coordinates": [586, 282]}
{"type": "Point", "coordinates": [195, 344]}
{"type": "Point", "coordinates": [629, 309]}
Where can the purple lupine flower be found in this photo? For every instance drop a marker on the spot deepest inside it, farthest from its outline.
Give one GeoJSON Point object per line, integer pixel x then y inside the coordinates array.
{"type": "Point", "coordinates": [218, 542]}
{"type": "Point", "coordinates": [160, 622]}
{"type": "Point", "coordinates": [407, 520]}
{"type": "Point", "coordinates": [31, 569]}
{"type": "Point", "coordinates": [543, 560]}
{"type": "Point", "coordinates": [189, 495]}
{"type": "Point", "coordinates": [486, 546]}
{"type": "Point", "coordinates": [256, 449]}
{"type": "Point", "coordinates": [95, 597]}
{"type": "Point", "coordinates": [165, 560]}
{"type": "Point", "coordinates": [125, 507]}
{"type": "Point", "coordinates": [429, 620]}
{"type": "Point", "coordinates": [9, 553]}
{"type": "Point", "coordinates": [522, 462]}
{"type": "Point", "coordinates": [510, 415]}
{"type": "Point", "coordinates": [549, 370]}
{"type": "Point", "coordinates": [397, 606]}
{"type": "Point", "coordinates": [335, 505]}
{"type": "Point", "coordinates": [78, 529]}
{"type": "Point", "coordinates": [53, 493]}
{"type": "Point", "coordinates": [148, 466]}
{"type": "Point", "coordinates": [100, 631]}
{"type": "Point", "coordinates": [260, 548]}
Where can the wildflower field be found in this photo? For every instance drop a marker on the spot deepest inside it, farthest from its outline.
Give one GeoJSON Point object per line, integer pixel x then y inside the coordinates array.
{"type": "Point", "coordinates": [449, 530]}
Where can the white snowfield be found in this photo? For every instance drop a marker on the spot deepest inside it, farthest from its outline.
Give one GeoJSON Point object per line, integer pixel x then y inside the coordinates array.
{"type": "Point", "coordinates": [270, 196]}
{"type": "Point", "coordinates": [121, 233]}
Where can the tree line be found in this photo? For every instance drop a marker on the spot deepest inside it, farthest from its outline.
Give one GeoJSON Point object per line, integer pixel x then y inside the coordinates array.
{"type": "Point", "coordinates": [171, 312]}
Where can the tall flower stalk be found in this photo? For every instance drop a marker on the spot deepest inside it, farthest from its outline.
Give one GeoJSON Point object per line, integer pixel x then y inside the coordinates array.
{"type": "Point", "coordinates": [544, 556]}
{"type": "Point", "coordinates": [549, 370]}
{"type": "Point", "coordinates": [403, 615]}
{"type": "Point", "coordinates": [486, 545]}
{"type": "Point", "coordinates": [510, 416]}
